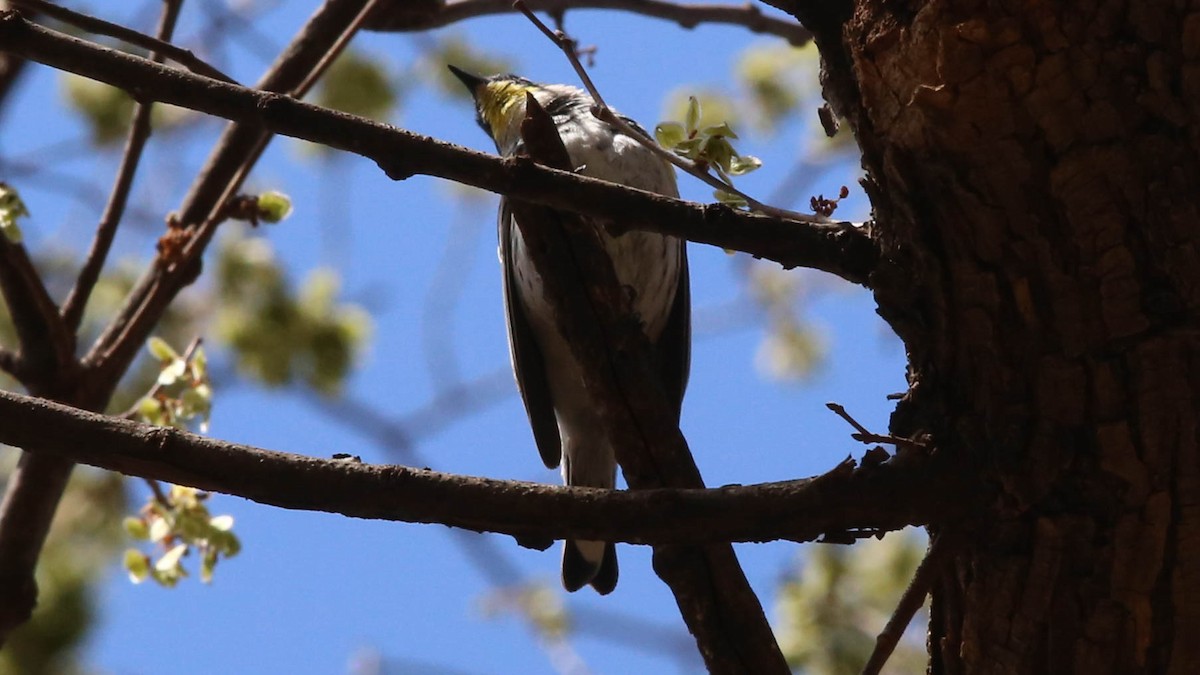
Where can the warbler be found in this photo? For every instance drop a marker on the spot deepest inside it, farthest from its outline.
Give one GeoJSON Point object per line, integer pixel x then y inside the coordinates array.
{"type": "Point", "coordinates": [652, 267]}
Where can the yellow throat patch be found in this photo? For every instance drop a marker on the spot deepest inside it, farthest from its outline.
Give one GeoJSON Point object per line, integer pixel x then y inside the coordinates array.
{"type": "Point", "coordinates": [500, 101]}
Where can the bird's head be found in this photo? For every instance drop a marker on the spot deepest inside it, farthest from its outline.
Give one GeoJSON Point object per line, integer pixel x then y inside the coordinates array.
{"type": "Point", "coordinates": [500, 103]}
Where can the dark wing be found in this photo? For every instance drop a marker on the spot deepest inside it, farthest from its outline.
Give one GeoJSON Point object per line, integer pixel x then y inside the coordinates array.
{"type": "Point", "coordinates": [527, 362]}
{"type": "Point", "coordinates": [674, 348]}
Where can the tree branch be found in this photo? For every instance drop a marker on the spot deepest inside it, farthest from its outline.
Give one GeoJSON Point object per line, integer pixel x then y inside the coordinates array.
{"type": "Point", "coordinates": [941, 548]}
{"type": "Point", "coordinates": [114, 210]}
{"type": "Point", "coordinates": [158, 45]}
{"type": "Point", "coordinates": [847, 499]}
{"type": "Point", "coordinates": [201, 211]}
{"type": "Point", "coordinates": [837, 248]}
{"type": "Point", "coordinates": [406, 16]}
{"type": "Point", "coordinates": [35, 488]}
{"type": "Point", "coordinates": [33, 491]}
{"type": "Point", "coordinates": [45, 343]}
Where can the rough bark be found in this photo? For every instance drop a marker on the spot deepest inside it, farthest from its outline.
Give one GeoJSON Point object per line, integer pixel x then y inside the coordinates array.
{"type": "Point", "coordinates": [1034, 168]}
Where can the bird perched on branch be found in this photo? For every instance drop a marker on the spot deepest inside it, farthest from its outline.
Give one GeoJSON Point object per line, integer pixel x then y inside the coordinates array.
{"type": "Point", "coordinates": [565, 424]}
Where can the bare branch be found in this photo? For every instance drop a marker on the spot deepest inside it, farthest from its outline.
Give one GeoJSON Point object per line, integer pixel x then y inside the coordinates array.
{"type": "Point", "coordinates": [30, 499]}
{"type": "Point", "coordinates": [106, 230]}
{"type": "Point", "coordinates": [45, 343]}
{"type": "Point", "coordinates": [406, 16]}
{"type": "Point", "coordinates": [35, 488]}
{"type": "Point", "coordinates": [845, 499]}
{"type": "Point", "coordinates": [941, 547]}
{"type": "Point", "coordinates": [36, 485]}
{"type": "Point", "coordinates": [838, 248]}
{"type": "Point", "coordinates": [201, 212]}
{"type": "Point", "coordinates": [157, 45]}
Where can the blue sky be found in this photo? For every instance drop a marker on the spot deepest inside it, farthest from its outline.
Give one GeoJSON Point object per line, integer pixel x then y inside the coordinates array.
{"type": "Point", "coordinates": [315, 593]}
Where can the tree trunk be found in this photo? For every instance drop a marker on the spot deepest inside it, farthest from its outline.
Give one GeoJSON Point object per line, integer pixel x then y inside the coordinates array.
{"type": "Point", "coordinates": [1034, 169]}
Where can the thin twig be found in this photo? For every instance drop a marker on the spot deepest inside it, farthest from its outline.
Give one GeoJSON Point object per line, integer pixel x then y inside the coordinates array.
{"type": "Point", "coordinates": [942, 546]}
{"type": "Point", "coordinates": [34, 489]}
{"type": "Point", "coordinates": [92, 24]}
{"type": "Point", "coordinates": [160, 295]}
{"type": "Point", "coordinates": [685, 15]}
{"type": "Point", "coordinates": [222, 175]}
{"type": "Point", "coordinates": [334, 51]}
{"type": "Point", "coordinates": [139, 132]}
{"type": "Point", "coordinates": [840, 411]}
{"type": "Point", "coordinates": [156, 488]}
{"type": "Point", "coordinates": [604, 113]}
{"type": "Point", "coordinates": [862, 435]}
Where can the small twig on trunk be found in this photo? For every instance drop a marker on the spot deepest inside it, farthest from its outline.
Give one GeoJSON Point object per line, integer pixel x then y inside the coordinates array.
{"type": "Point", "coordinates": [865, 436]}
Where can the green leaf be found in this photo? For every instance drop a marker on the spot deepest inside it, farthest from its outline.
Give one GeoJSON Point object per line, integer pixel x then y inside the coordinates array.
{"type": "Point", "coordinates": [730, 199]}
{"type": "Point", "coordinates": [227, 543]}
{"type": "Point", "coordinates": [690, 148]}
{"type": "Point", "coordinates": [199, 364]}
{"type": "Point", "coordinates": [136, 528]}
{"type": "Point", "coordinates": [208, 563]}
{"type": "Point", "coordinates": [743, 164]}
{"type": "Point", "coordinates": [171, 372]}
{"type": "Point", "coordinates": [106, 109]}
{"type": "Point", "coordinates": [670, 134]}
{"type": "Point", "coordinates": [150, 409]}
{"type": "Point", "coordinates": [692, 117]}
{"type": "Point", "coordinates": [137, 564]}
{"type": "Point", "coordinates": [358, 84]}
{"type": "Point", "coordinates": [717, 151]}
{"type": "Point", "coordinates": [11, 208]}
{"type": "Point", "coordinates": [161, 350]}
{"type": "Point", "coordinates": [721, 129]}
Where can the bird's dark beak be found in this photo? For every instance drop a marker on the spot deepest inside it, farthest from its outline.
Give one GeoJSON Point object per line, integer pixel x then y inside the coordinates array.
{"type": "Point", "coordinates": [472, 82]}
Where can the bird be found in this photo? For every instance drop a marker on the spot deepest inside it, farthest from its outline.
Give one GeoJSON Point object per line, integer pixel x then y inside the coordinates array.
{"type": "Point", "coordinates": [652, 267]}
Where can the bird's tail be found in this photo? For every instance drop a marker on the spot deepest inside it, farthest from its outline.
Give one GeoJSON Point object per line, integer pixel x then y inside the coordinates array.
{"type": "Point", "coordinates": [589, 562]}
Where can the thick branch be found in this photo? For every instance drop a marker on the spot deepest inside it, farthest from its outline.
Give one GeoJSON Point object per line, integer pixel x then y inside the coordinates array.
{"type": "Point", "coordinates": [401, 15]}
{"type": "Point", "coordinates": [846, 499]}
{"type": "Point", "coordinates": [839, 248]}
